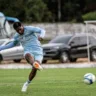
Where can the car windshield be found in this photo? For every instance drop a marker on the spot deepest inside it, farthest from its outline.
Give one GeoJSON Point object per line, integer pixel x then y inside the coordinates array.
{"type": "Point", "coordinates": [61, 39]}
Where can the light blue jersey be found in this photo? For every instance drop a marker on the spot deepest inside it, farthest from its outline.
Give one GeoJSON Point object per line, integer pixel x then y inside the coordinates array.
{"type": "Point", "coordinates": [29, 40]}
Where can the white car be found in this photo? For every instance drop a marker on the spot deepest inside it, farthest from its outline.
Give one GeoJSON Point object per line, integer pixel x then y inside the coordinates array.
{"type": "Point", "coordinates": [14, 53]}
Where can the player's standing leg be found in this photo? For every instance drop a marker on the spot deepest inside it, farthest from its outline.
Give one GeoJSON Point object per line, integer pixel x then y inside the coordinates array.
{"type": "Point", "coordinates": [36, 66]}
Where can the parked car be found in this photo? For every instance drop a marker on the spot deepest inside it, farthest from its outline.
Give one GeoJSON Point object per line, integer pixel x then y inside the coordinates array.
{"type": "Point", "coordinates": [14, 53]}
{"type": "Point", "coordinates": [67, 48]}
{"type": "Point", "coordinates": [64, 48]}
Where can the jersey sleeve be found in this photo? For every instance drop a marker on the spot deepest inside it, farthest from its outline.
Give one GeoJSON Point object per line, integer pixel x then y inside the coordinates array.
{"type": "Point", "coordinates": [10, 45]}
{"type": "Point", "coordinates": [37, 30]}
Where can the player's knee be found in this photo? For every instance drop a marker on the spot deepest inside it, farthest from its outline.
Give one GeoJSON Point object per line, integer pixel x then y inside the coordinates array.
{"type": "Point", "coordinates": [29, 58]}
{"type": "Point", "coordinates": [27, 55]}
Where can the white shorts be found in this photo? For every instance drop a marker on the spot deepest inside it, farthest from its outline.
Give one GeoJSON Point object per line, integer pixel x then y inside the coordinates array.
{"type": "Point", "coordinates": [38, 57]}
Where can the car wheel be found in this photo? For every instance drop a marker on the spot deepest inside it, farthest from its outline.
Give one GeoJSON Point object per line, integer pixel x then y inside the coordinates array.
{"type": "Point", "coordinates": [44, 61]}
{"type": "Point", "coordinates": [17, 60]}
{"type": "Point", "coordinates": [1, 57]}
{"type": "Point", "coordinates": [64, 57]}
{"type": "Point", "coordinates": [73, 59]}
{"type": "Point", "coordinates": [93, 55]}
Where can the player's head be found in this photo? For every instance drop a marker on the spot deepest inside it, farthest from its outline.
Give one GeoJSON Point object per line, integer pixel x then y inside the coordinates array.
{"type": "Point", "coordinates": [18, 27]}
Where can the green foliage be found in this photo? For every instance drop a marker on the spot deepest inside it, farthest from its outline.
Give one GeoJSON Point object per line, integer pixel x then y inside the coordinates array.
{"type": "Point", "coordinates": [36, 10]}
{"type": "Point", "coordinates": [26, 10]}
{"type": "Point", "coordinates": [90, 16]}
{"type": "Point", "coordinates": [90, 1]}
{"type": "Point", "coordinates": [47, 10]}
{"type": "Point", "coordinates": [69, 10]}
{"type": "Point", "coordinates": [13, 8]}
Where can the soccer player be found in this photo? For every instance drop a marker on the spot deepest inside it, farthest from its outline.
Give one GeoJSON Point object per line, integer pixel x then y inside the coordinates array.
{"type": "Point", "coordinates": [29, 37]}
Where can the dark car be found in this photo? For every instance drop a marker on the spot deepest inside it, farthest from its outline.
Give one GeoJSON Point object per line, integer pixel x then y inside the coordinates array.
{"type": "Point", "coordinates": [67, 48]}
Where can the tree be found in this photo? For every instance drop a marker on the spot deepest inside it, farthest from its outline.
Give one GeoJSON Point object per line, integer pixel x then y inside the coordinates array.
{"type": "Point", "coordinates": [13, 8]}
{"type": "Point", "coordinates": [26, 10]}
{"type": "Point", "coordinates": [47, 10]}
{"type": "Point", "coordinates": [36, 10]}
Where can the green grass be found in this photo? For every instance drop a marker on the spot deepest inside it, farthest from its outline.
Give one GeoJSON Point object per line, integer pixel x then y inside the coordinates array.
{"type": "Point", "coordinates": [49, 82]}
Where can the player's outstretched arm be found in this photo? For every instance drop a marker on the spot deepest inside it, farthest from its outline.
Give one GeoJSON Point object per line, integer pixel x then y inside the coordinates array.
{"type": "Point", "coordinates": [10, 45]}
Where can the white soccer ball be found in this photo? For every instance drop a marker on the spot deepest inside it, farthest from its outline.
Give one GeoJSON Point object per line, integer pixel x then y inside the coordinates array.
{"type": "Point", "coordinates": [89, 78]}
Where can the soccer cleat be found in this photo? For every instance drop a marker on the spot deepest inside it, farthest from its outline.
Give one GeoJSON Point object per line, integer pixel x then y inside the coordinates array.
{"type": "Point", "coordinates": [24, 88]}
{"type": "Point", "coordinates": [37, 66]}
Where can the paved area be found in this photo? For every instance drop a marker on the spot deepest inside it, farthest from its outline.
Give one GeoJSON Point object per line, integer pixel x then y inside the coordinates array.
{"type": "Point", "coordinates": [45, 66]}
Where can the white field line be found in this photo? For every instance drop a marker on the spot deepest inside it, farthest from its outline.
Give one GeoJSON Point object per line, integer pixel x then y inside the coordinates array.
{"type": "Point", "coordinates": [45, 66]}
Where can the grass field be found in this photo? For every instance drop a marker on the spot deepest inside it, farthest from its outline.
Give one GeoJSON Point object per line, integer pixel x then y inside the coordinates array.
{"type": "Point", "coordinates": [49, 82]}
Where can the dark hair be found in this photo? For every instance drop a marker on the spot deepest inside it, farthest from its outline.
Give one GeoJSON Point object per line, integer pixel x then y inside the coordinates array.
{"type": "Point", "coordinates": [16, 25]}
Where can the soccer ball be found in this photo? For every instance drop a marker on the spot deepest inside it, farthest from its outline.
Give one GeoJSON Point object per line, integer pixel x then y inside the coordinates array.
{"type": "Point", "coordinates": [89, 78]}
